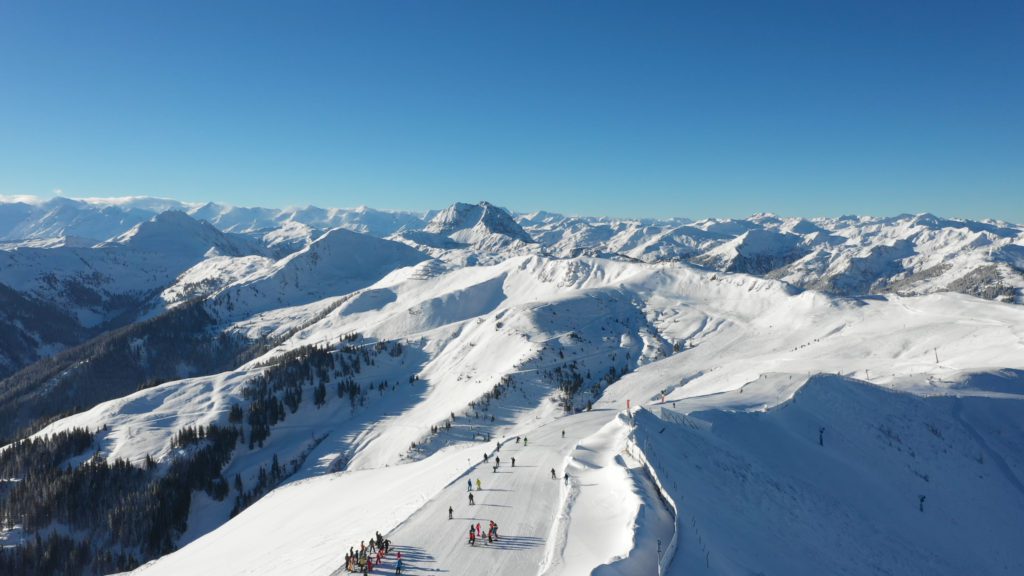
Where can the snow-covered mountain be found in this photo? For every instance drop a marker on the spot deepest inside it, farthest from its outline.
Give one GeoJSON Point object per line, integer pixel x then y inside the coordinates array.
{"type": "Point", "coordinates": [908, 254]}
{"type": "Point", "coordinates": [471, 234]}
{"type": "Point", "coordinates": [65, 217]}
{"type": "Point", "coordinates": [111, 283]}
{"type": "Point", "coordinates": [27, 218]}
{"type": "Point", "coordinates": [178, 235]}
{"type": "Point", "coordinates": [339, 262]}
{"type": "Point", "coordinates": [808, 396]}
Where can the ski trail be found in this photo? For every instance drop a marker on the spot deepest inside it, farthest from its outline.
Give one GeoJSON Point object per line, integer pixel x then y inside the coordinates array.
{"type": "Point", "coordinates": [524, 502]}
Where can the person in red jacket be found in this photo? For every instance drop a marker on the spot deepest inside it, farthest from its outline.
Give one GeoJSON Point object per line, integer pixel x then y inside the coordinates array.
{"type": "Point", "coordinates": [472, 536]}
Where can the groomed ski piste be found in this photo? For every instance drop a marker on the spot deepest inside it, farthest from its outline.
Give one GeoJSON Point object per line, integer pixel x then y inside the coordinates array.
{"type": "Point", "coordinates": [772, 431]}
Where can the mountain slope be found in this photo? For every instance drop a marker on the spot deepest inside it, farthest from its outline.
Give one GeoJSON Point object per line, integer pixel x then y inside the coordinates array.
{"type": "Point", "coordinates": [899, 483]}
{"type": "Point", "coordinates": [337, 263]}
{"type": "Point", "coordinates": [289, 391]}
{"type": "Point", "coordinates": [519, 341]}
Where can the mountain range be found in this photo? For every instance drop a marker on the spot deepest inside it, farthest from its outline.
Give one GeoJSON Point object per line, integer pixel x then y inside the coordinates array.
{"type": "Point", "coordinates": [95, 264]}
{"type": "Point", "coordinates": [200, 388]}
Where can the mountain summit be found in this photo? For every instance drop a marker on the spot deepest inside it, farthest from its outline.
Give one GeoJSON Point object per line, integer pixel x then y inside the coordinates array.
{"type": "Point", "coordinates": [179, 235]}
{"type": "Point", "coordinates": [483, 216]}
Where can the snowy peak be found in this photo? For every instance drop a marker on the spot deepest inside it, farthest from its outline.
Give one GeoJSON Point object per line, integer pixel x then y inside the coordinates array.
{"type": "Point", "coordinates": [335, 264]}
{"type": "Point", "coordinates": [289, 237]}
{"type": "Point", "coordinates": [755, 251]}
{"type": "Point", "coordinates": [483, 217]}
{"type": "Point", "coordinates": [235, 219]}
{"type": "Point", "coordinates": [845, 255]}
{"type": "Point", "coordinates": [60, 217]}
{"type": "Point", "coordinates": [342, 247]}
{"type": "Point", "coordinates": [179, 234]}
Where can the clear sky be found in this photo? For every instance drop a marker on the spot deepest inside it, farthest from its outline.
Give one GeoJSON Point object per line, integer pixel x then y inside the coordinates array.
{"type": "Point", "coordinates": [625, 108]}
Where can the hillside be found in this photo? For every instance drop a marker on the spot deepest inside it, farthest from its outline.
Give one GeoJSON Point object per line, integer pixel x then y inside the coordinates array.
{"type": "Point", "coordinates": [506, 348]}
{"type": "Point", "coordinates": [276, 394]}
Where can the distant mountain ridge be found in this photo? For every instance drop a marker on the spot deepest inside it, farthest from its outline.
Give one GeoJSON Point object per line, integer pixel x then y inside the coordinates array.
{"type": "Point", "coordinates": [848, 255]}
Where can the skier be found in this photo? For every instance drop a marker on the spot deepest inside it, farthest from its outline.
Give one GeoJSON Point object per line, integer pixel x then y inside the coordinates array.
{"type": "Point", "coordinates": [398, 567]}
{"type": "Point", "coordinates": [495, 469]}
{"type": "Point", "coordinates": [450, 510]}
{"type": "Point", "coordinates": [513, 461]}
{"type": "Point", "coordinates": [563, 433]}
{"type": "Point", "coordinates": [553, 474]}
{"type": "Point", "coordinates": [566, 478]}
{"type": "Point", "coordinates": [524, 441]}
{"type": "Point", "coordinates": [478, 484]}
{"type": "Point", "coordinates": [485, 456]}
{"type": "Point", "coordinates": [472, 536]}
{"type": "Point", "coordinates": [497, 446]}
{"type": "Point", "coordinates": [471, 499]}
{"type": "Point", "coordinates": [497, 461]}
{"type": "Point", "coordinates": [479, 532]}
{"type": "Point", "coordinates": [469, 485]}
{"type": "Point", "coordinates": [517, 439]}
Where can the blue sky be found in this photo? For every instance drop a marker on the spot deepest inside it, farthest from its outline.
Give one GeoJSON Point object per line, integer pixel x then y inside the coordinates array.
{"type": "Point", "coordinates": [589, 107]}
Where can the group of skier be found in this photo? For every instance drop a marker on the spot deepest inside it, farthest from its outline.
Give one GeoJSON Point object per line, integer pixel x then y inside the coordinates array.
{"type": "Point", "coordinates": [475, 532]}
{"type": "Point", "coordinates": [369, 556]}
{"type": "Point", "coordinates": [492, 531]}
{"type": "Point", "coordinates": [497, 461]}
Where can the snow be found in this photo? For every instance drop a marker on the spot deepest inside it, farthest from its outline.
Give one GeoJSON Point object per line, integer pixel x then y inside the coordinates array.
{"type": "Point", "coordinates": [338, 262]}
{"type": "Point", "coordinates": [459, 217]}
{"type": "Point", "coordinates": [177, 234]}
{"type": "Point", "coordinates": [758, 493]}
{"type": "Point", "coordinates": [920, 391]}
{"type": "Point", "coordinates": [740, 399]}
{"type": "Point", "coordinates": [908, 254]}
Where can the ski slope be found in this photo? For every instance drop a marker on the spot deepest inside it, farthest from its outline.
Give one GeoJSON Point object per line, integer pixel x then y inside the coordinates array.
{"type": "Point", "coordinates": [725, 364]}
{"type": "Point", "coordinates": [543, 524]}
